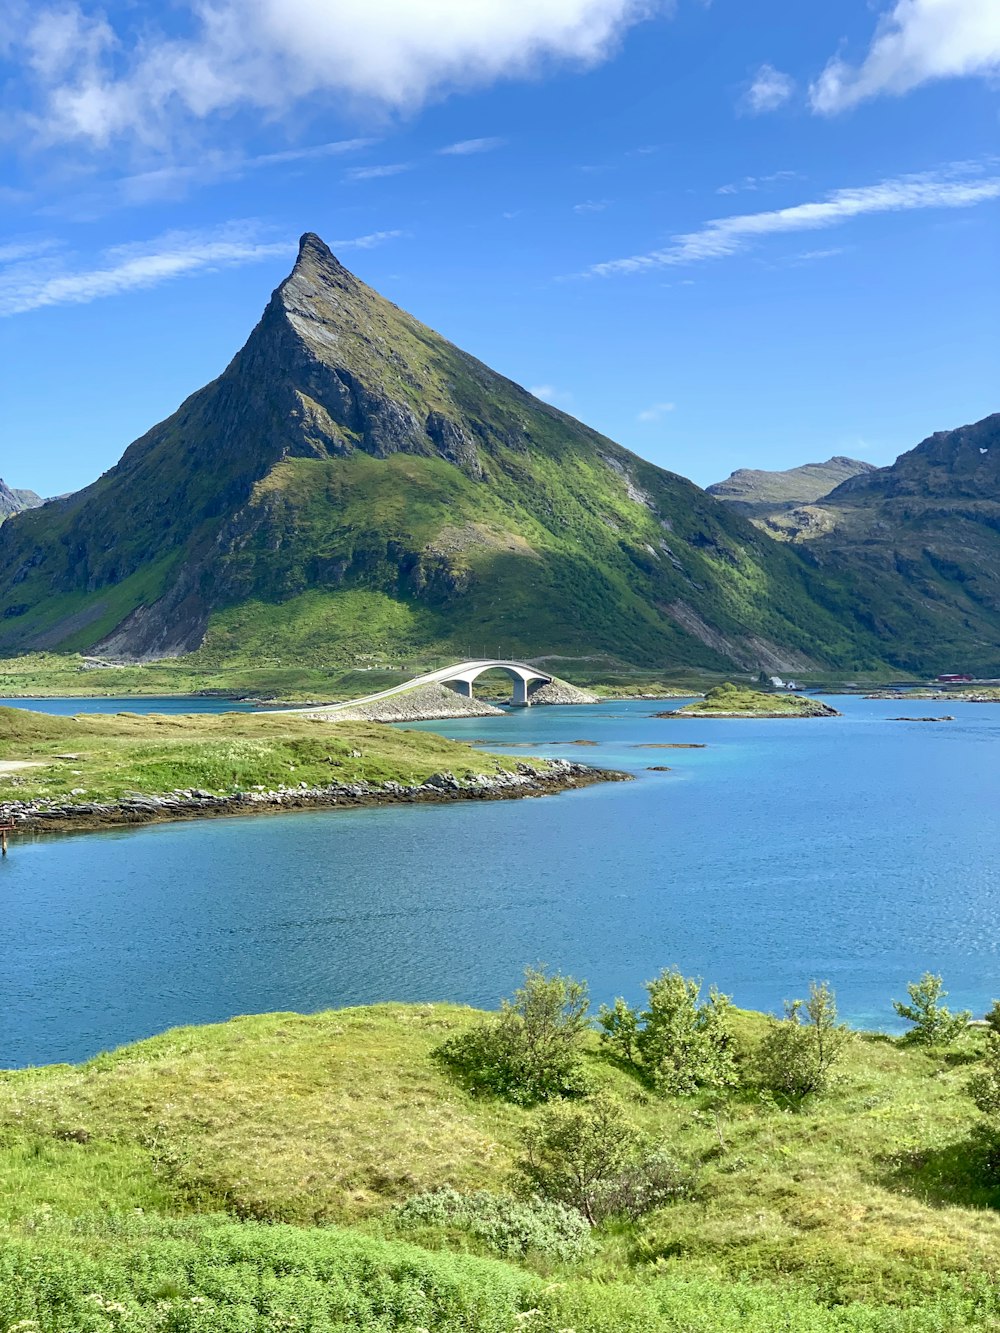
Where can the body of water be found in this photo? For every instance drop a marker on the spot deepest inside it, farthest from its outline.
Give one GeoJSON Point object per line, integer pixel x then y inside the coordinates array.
{"type": "Point", "coordinates": [859, 850]}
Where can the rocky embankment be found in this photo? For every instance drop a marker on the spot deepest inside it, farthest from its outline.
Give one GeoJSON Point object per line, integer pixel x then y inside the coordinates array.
{"type": "Point", "coordinates": [428, 703]}
{"type": "Point", "coordinates": [435, 703]}
{"type": "Point", "coordinates": [561, 692]}
{"type": "Point", "coordinates": [139, 808]}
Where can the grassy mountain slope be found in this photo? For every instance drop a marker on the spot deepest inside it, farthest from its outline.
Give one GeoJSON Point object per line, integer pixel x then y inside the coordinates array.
{"type": "Point", "coordinates": [920, 540]}
{"type": "Point", "coordinates": [182, 1179]}
{"type": "Point", "coordinates": [758, 494]}
{"type": "Point", "coordinates": [354, 484]}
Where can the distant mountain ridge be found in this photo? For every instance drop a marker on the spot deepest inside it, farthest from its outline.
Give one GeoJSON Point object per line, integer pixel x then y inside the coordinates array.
{"type": "Point", "coordinates": [757, 493]}
{"type": "Point", "coordinates": [921, 541]}
{"type": "Point", "coordinates": [353, 483]}
{"type": "Point", "coordinates": [13, 501]}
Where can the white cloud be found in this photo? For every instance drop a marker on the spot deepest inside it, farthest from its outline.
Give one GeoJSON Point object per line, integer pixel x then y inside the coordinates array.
{"type": "Point", "coordinates": [919, 41]}
{"type": "Point", "coordinates": [466, 147]}
{"type": "Point", "coordinates": [953, 187]}
{"type": "Point", "coordinates": [591, 206]}
{"type": "Point", "coordinates": [769, 90]}
{"type": "Point", "coordinates": [29, 280]}
{"type": "Point", "coordinates": [656, 412]}
{"type": "Point", "coordinates": [550, 394]}
{"type": "Point", "coordinates": [96, 84]}
{"type": "Point", "coordinates": [378, 172]}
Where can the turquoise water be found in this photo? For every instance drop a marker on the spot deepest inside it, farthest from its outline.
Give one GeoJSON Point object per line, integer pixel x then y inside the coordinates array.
{"type": "Point", "coordinates": [858, 850]}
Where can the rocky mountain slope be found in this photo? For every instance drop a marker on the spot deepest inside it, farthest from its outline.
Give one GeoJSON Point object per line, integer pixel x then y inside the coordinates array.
{"type": "Point", "coordinates": [14, 501]}
{"type": "Point", "coordinates": [353, 483]}
{"type": "Point", "coordinates": [920, 543]}
{"type": "Point", "coordinates": [760, 494]}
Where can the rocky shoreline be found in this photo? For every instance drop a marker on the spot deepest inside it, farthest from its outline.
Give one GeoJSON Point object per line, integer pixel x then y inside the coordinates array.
{"type": "Point", "coordinates": [52, 816]}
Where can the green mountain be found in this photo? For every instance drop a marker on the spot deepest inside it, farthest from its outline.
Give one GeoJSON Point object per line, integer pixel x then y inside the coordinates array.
{"type": "Point", "coordinates": [920, 541]}
{"type": "Point", "coordinates": [353, 484]}
{"type": "Point", "coordinates": [13, 501]}
{"type": "Point", "coordinates": [758, 494]}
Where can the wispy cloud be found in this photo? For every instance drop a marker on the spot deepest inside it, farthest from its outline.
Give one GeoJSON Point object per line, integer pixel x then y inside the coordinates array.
{"type": "Point", "coordinates": [592, 206]}
{"type": "Point", "coordinates": [550, 394]}
{"type": "Point", "coordinates": [42, 273]}
{"type": "Point", "coordinates": [466, 147]}
{"type": "Point", "coordinates": [368, 242]}
{"type": "Point", "coordinates": [769, 90]}
{"type": "Point", "coordinates": [174, 180]}
{"type": "Point", "coordinates": [751, 183]}
{"type": "Point", "coordinates": [33, 284]}
{"type": "Point", "coordinates": [655, 412]}
{"type": "Point", "coordinates": [952, 187]}
{"type": "Point", "coordinates": [377, 172]}
{"type": "Point", "coordinates": [919, 41]}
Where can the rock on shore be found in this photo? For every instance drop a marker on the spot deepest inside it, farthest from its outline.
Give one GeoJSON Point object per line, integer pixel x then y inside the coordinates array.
{"type": "Point", "coordinates": [561, 692]}
{"type": "Point", "coordinates": [140, 808]}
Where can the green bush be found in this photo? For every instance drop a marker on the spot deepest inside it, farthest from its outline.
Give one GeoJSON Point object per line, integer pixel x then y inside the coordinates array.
{"type": "Point", "coordinates": [589, 1156]}
{"type": "Point", "coordinates": [677, 1042]}
{"type": "Point", "coordinates": [511, 1227]}
{"type": "Point", "coordinates": [933, 1022]}
{"type": "Point", "coordinates": [798, 1053]}
{"type": "Point", "coordinates": [530, 1052]}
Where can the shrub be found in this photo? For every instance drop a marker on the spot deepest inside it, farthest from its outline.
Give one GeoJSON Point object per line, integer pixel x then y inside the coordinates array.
{"type": "Point", "coordinates": [511, 1227]}
{"type": "Point", "coordinates": [530, 1052]}
{"type": "Point", "coordinates": [933, 1022]}
{"type": "Point", "coordinates": [589, 1156]}
{"type": "Point", "coordinates": [677, 1043]}
{"type": "Point", "coordinates": [799, 1051]}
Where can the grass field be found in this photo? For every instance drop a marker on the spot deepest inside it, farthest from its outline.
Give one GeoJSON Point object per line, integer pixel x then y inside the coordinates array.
{"type": "Point", "coordinates": [237, 1176]}
{"type": "Point", "coordinates": [103, 757]}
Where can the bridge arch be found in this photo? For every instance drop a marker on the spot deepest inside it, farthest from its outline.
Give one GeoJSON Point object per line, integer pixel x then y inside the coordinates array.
{"type": "Point", "coordinates": [462, 678]}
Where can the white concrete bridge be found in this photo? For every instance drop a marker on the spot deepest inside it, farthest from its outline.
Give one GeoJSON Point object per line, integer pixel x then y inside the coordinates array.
{"type": "Point", "coordinates": [460, 677]}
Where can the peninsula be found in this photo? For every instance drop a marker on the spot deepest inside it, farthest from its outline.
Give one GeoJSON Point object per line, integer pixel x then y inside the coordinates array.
{"type": "Point", "coordinates": [103, 770]}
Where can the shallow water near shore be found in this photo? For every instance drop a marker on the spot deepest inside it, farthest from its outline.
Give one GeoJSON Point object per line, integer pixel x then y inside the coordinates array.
{"type": "Point", "coordinates": [859, 850]}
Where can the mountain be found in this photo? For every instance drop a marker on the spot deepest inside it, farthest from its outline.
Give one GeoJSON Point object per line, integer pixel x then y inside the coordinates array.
{"type": "Point", "coordinates": [920, 543]}
{"type": "Point", "coordinates": [354, 484]}
{"type": "Point", "coordinates": [758, 494]}
{"type": "Point", "coordinates": [14, 501]}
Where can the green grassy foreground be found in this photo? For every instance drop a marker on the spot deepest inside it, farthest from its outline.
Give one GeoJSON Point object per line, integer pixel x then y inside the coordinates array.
{"type": "Point", "coordinates": [103, 757]}
{"type": "Point", "coordinates": [243, 1177]}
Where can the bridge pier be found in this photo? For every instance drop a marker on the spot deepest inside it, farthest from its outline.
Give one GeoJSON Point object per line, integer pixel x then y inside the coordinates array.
{"type": "Point", "coordinates": [520, 694]}
{"type": "Point", "coordinates": [462, 687]}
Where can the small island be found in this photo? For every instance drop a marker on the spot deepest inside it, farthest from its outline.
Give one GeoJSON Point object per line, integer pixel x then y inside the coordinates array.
{"type": "Point", "coordinates": [737, 701]}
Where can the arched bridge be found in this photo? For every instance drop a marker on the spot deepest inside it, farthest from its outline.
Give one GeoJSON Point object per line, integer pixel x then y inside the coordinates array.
{"type": "Point", "coordinates": [459, 677]}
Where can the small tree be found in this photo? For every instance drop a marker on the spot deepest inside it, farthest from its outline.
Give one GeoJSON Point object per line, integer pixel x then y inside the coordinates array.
{"type": "Point", "coordinates": [933, 1022]}
{"type": "Point", "coordinates": [677, 1042]}
{"type": "Point", "coordinates": [531, 1050]}
{"type": "Point", "coordinates": [588, 1155]}
{"type": "Point", "coordinates": [799, 1051]}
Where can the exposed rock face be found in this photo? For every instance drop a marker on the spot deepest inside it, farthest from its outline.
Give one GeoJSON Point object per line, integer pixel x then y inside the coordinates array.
{"type": "Point", "coordinates": [14, 501]}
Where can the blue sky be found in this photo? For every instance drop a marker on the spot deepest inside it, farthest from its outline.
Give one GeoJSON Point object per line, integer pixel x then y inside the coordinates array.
{"type": "Point", "coordinates": [724, 233]}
